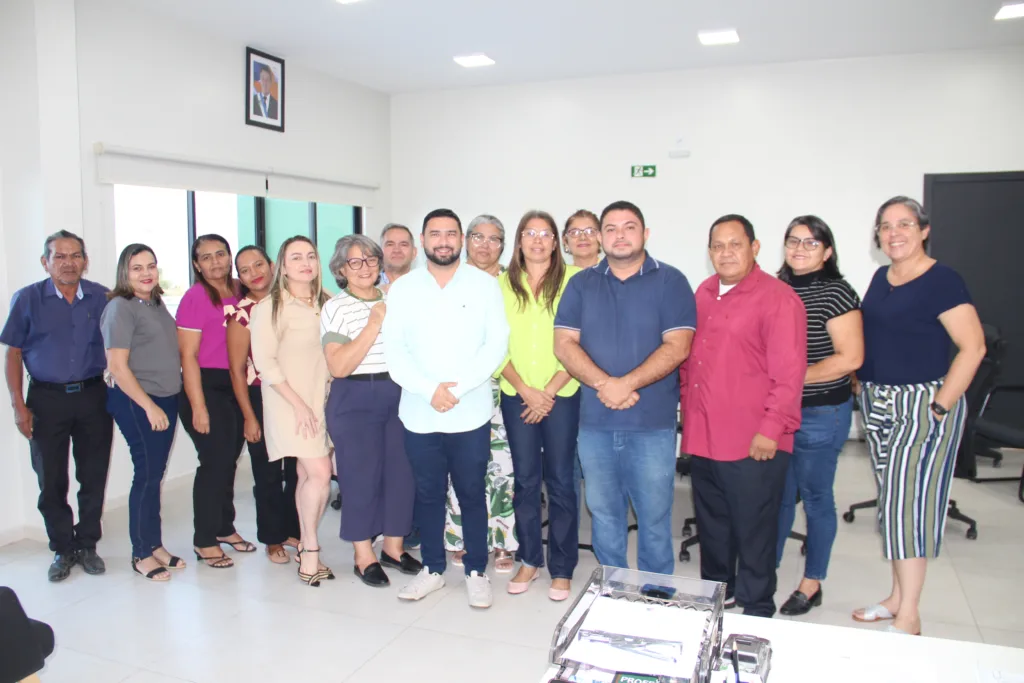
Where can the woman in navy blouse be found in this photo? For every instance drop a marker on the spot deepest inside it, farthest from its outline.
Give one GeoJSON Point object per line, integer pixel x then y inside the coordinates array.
{"type": "Point", "coordinates": [912, 399]}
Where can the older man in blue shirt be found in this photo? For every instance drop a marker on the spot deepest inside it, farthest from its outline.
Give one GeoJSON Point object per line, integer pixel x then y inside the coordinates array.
{"type": "Point", "coordinates": [622, 328]}
{"type": "Point", "coordinates": [53, 331]}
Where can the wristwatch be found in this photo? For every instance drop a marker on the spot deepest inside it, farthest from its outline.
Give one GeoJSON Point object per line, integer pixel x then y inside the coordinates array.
{"type": "Point", "coordinates": [938, 409]}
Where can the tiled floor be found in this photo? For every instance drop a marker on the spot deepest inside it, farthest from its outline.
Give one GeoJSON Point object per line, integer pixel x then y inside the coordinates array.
{"type": "Point", "coordinates": [256, 622]}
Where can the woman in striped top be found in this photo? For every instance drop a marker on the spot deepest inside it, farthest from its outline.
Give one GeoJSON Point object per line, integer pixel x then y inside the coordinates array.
{"type": "Point", "coordinates": [374, 475]}
{"type": "Point", "coordinates": [835, 349]}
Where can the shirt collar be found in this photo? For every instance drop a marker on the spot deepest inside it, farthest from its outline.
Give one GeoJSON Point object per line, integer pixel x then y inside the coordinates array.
{"type": "Point", "coordinates": [56, 292]}
{"type": "Point", "coordinates": [649, 265]}
{"type": "Point", "coordinates": [747, 283]}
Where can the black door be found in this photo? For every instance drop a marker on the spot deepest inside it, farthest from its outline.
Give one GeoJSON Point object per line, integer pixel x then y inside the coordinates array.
{"type": "Point", "coordinates": [978, 229]}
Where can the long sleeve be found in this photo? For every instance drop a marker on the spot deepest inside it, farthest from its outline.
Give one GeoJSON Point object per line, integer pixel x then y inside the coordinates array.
{"type": "Point", "coordinates": [786, 353]}
{"type": "Point", "coordinates": [398, 338]}
{"type": "Point", "coordinates": [265, 343]}
{"type": "Point", "coordinates": [479, 369]}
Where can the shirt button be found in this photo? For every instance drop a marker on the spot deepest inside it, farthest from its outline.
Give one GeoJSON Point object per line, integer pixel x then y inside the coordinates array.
{"type": "Point", "coordinates": [695, 386]}
{"type": "Point", "coordinates": [719, 298]}
{"type": "Point", "coordinates": [699, 362]}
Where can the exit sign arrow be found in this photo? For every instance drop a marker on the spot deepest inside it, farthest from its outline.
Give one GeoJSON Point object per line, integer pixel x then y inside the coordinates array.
{"type": "Point", "coordinates": [643, 171]}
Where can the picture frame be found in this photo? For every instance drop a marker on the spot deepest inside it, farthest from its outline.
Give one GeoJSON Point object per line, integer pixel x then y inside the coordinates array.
{"type": "Point", "coordinates": [264, 72]}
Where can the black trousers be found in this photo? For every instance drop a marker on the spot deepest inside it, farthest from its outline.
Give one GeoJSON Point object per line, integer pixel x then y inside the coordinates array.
{"type": "Point", "coordinates": [737, 505]}
{"type": "Point", "coordinates": [213, 492]}
{"type": "Point", "coordinates": [277, 517]}
{"type": "Point", "coordinates": [81, 421]}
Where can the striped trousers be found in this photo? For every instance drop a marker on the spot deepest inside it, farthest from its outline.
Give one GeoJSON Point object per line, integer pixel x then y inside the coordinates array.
{"type": "Point", "coordinates": [913, 455]}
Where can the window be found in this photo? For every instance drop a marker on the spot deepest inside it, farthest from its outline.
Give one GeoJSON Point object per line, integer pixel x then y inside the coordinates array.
{"type": "Point", "coordinates": [158, 218]}
{"type": "Point", "coordinates": [231, 216]}
{"type": "Point", "coordinates": [333, 221]}
{"type": "Point", "coordinates": [285, 218]}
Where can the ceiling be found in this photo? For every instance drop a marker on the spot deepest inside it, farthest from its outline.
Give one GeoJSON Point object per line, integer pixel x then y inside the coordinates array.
{"type": "Point", "coordinates": [406, 45]}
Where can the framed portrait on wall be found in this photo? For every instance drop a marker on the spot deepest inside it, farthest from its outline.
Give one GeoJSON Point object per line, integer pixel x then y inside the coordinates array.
{"type": "Point", "coordinates": [264, 90]}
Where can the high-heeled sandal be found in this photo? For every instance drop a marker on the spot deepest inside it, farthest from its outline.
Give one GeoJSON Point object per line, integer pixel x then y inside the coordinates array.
{"type": "Point", "coordinates": [314, 578]}
{"type": "Point", "coordinates": [221, 561]}
{"type": "Point", "coordinates": [321, 567]}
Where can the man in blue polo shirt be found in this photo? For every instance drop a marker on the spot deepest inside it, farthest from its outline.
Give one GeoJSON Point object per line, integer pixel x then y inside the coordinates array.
{"type": "Point", "coordinates": [623, 327]}
{"type": "Point", "coordinates": [54, 330]}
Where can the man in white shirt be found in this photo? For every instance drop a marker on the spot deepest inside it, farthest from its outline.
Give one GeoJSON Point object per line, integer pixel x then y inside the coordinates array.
{"type": "Point", "coordinates": [444, 336]}
{"type": "Point", "coordinates": [399, 249]}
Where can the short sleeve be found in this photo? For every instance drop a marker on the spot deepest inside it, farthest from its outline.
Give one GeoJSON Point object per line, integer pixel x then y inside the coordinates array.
{"type": "Point", "coordinates": [190, 310]}
{"type": "Point", "coordinates": [333, 329]}
{"type": "Point", "coordinates": [842, 300]}
{"type": "Point", "coordinates": [678, 309]}
{"type": "Point", "coordinates": [569, 315]}
{"type": "Point", "coordinates": [16, 329]}
{"type": "Point", "coordinates": [117, 324]}
{"type": "Point", "coordinates": [241, 313]}
{"type": "Point", "coordinates": [949, 290]}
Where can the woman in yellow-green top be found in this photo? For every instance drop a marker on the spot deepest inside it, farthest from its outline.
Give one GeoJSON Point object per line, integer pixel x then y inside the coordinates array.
{"type": "Point", "coordinates": [540, 404]}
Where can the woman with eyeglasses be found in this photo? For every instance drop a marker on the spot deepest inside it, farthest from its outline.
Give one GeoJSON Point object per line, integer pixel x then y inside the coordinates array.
{"type": "Point", "coordinates": [540, 403]}
{"type": "Point", "coordinates": [835, 349]}
{"type": "Point", "coordinates": [485, 241]}
{"type": "Point", "coordinates": [277, 519]}
{"type": "Point", "coordinates": [912, 399]}
{"type": "Point", "coordinates": [141, 342]}
{"type": "Point", "coordinates": [374, 474]}
{"type": "Point", "coordinates": [285, 336]}
{"type": "Point", "coordinates": [582, 238]}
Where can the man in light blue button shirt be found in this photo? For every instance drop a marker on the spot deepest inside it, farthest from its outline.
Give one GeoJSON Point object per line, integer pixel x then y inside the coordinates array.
{"type": "Point", "coordinates": [445, 334]}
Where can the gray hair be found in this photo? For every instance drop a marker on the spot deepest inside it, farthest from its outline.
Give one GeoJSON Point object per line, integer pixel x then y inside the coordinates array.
{"type": "Point", "coordinates": [62, 235]}
{"type": "Point", "coordinates": [914, 206]}
{"type": "Point", "coordinates": [396, 226]}
{"type": "Point", "coordinates": [368, 248]}
{"type": "Point", "coordinates": [484, 219]}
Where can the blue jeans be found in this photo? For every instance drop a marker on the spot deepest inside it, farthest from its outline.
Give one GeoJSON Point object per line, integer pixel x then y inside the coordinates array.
{"type": "Point", "coordinates": [463, 456]}
{"type": "Point", "coordinates": [544, 453]}
{"type": "Point", "coordinates": [812, 472]}
{"type": "Point", "coordinates": [623, 467]}
{"type": "Point", "coordinates": [149, 451]}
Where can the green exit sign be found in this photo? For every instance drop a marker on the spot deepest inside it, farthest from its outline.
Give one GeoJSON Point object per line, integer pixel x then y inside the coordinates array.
{"type": "Point", "coordinates": [644, 171]}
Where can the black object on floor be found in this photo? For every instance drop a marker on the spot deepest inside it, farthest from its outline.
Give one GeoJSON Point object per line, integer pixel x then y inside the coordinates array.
{"type": "Point", "coordinates": [26, 643]}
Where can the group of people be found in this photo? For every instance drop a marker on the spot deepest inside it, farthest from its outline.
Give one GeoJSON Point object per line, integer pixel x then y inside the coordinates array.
{"type": "Point", "coordinates": [451, 395]}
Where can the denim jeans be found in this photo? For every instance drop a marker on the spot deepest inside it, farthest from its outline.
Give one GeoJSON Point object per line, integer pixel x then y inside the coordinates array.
{"type": "Point", "coordinates": [149, 451]}
{"type": "Point", "coordinates": [543, 454]}
{"type": "Point", "coordinates": [623, 467]}
{"type": "Point", "coordinates": [463, 456]}
{"type": "Point", "coordinates": [812, 472]}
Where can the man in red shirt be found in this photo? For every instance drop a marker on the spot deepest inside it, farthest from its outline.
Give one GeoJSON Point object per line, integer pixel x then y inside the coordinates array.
{"type": "Point", "coordinates": [740, 394]}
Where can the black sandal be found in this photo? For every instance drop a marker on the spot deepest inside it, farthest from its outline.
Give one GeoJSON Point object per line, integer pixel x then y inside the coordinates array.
{"type": "Point", "coordinates": [217, 562]}
{"type": "Point", "coordinates": [174, 563]}
{"type": "Point", "coordinates": [153, 573]}
{"type": "Point", "coordinates": [242, 546]}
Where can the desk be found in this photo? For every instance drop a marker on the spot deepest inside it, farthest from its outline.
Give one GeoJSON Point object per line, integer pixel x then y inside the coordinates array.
{"type": "Point", "coordinates": [801, 652]}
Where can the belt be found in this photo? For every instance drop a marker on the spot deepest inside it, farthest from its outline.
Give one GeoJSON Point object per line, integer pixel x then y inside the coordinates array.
{"type": "Point", "coordinates": [369, 377]}
{"type": "Point", "coordinates": [70, 388]}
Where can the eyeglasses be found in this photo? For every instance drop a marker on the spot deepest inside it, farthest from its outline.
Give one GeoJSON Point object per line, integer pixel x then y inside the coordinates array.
{"type": "Point", "coordinates": [357, 263]}
{"type": "Point", "coordinates": [576, 233]}
{"type": "Point", "coordinates": [809, 243]}
{"type": "Point", "coordinates": [905, 224]}
{"type": "Point", "coordinates": [534, 234]}
{"type": "Point", "coordinates": [479, 238]}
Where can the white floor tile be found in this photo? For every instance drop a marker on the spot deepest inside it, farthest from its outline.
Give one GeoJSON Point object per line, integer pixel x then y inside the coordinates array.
{"type": "Point", "coordinates": [66, 665]}
{"type": "Point", "coordinates": [996, 636]}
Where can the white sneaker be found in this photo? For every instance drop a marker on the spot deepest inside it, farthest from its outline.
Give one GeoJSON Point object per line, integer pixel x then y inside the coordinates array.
{"type": "Point", "coordinates": [423, 585]}
{"type": "Point", "coordinates": [478, 587]}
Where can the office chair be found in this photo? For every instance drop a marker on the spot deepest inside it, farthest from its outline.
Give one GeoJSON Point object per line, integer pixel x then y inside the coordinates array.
{"type": "Point", "coordinates": [977, 394]}
{"type": "Point", "coordinates": [1011, 436]}
{"type": "Point", "coordinates": [26, 643]}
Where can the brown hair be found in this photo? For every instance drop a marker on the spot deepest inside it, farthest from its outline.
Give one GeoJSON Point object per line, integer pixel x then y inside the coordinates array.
{"type": "Point", "coordinates": [552, 280]}
{"type": "Point", "coordinates": [583, 213]}
{"type": "Point", "coordinates": [123, 286]}
{"type": "Point", "coordinates": [211, 291]}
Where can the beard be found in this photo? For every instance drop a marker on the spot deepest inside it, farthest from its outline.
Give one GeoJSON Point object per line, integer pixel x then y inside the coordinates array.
{"type": "Point", "coordinates": [442, 260]}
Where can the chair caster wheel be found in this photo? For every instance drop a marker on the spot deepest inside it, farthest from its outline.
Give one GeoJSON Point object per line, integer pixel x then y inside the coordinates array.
{"type": "Point", "coordinates": [848, 516]}
{"type": "Point", "coordinates": [335, 504]}
{"type": "Point", "coordinates": [687, 531]}
{"type": "Point", "coordinates": [803, 550]}
{"type": "Point", "coordinates": [684, 555]}
{"type": "Point", "coordinates": [972, 534]}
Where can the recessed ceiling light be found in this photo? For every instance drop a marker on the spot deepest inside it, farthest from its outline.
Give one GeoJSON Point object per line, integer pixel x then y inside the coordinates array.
{"type": "Point", "coordinates": [470, 61]}
{"type": "Point", "coordinates": [728, 37]}
{"type": "Point", "coordinates": [347, 2]}
{"type": "Point", "coordinates": [1010, 10]}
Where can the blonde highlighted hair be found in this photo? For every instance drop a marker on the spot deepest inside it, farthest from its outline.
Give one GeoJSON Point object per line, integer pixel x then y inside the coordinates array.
{"type": "Point", "coordinates": [280, 284]}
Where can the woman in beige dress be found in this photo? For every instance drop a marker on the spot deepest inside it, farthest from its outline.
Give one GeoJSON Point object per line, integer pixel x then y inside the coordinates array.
{"type": "Point", "coordinates": [285, 331]}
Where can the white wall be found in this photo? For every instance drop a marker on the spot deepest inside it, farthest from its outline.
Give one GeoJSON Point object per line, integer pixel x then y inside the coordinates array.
{"type": "Point", "coordinates": [103, 71]}
{"type": "Point", "coordinates": [834, 138]}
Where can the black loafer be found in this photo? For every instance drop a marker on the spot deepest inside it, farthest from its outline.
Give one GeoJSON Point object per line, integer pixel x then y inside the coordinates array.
{"type": "Point", "coordinates": [60, 568]}
{"type": "Point", "coordinates": [373, 575]}
{"type": "Point", "coordinates": [799, 603]}
{"type": "Point", "coordinates": [91, 562]}
{"type": "Point", "coordinates": [407, 564]}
